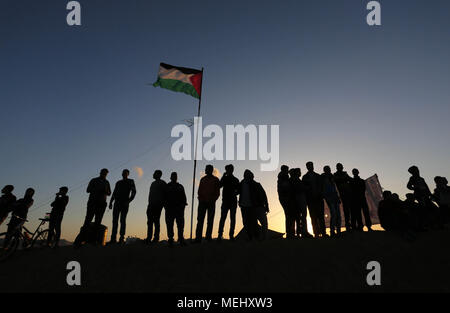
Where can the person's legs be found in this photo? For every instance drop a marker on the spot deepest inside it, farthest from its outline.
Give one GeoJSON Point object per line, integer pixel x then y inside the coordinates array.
{"type": "Point", "coordinates": [346, 207]}
{"type": "Point", "coordinates": [314, 220]}
{"type": "Point", "coordinates": [58, 222]}
{"type": "Point", "coordinates": [99, 212]}
{"type": "Point", "coordinates": [149, 223]}
{"type": "Point", "coordinates": [180, 224]}
{"type": "Point", "coordinates": [90, 213]}
{"type": "Point", "coordinates": [115, 221]}
{"type": "Point", "coordinates": [201, 212]}
{"type": "Point", "coordinates": [223, 216]}
{"type": "Point", "coordinates": [262, 218]}
{"type": "Point", "coordinates": [321, 216]}
{"type": "Point", "coordinates": [233, 208]}
{"type": "Point", "coordinates": [123, 221]}
{"type": "Point", "coordinates": [169, 222]}
{"type": "Point", "coordinates": [51, 228]}
{"type": "Point", "coordinates": [157, 222]}
{"type": "Point", "coordinates": [246, 222]}
{"type": "Point", "coordinates": [211, 212]}
{"type": "Point", "coordinates": [365, 210]}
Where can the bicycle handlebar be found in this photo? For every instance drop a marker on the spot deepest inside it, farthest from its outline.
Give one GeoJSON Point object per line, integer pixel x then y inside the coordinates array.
{"type": "Point", "coordinates": [20, 218]}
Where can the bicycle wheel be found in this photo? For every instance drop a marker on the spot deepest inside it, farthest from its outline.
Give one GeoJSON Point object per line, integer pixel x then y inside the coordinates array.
{"type": "Point", "coordinates": [41, 238]}
{"type": "Point", "coordinates": [8, 250]}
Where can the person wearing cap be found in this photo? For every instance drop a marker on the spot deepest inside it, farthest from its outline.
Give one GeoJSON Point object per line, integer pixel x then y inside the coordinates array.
{"type": "Point", "coordinates": [6, 202]}
{"type": "Point", "coordinates": [56, 216]}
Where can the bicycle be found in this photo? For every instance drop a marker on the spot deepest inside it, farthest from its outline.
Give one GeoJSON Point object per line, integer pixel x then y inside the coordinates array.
{"type": "Point", "coordinates": [21, 233]}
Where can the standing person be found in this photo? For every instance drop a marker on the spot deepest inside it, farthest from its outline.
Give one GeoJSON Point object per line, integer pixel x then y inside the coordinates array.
{"type": "Point", "coordinates": [314, 198]}
{"type": "Point", "coordinates": [284, 196]}
{"type": "Point", "coordinates": [6, 202]}
{"type": "Point", "coordinates": [230, 185]}
{"type": "Point", "coordinates": [19, 214]}
{"type": "Point", "coordinates": [99, 190]}
{"type": "Point", "coordinates": [359, 201]}
{"type": "Point", "coordinates": [157, 198]}
{"type": "Point", "coordinates": [124, 192]}
{"type": "Point", "coordinates": [176, 202]}
{"type": "Point", "coordinates": [254, 206]}
{"type": "Point", "coordinates": [332, 198]}
{"type": "Point", "coordinates": [56, 216]}
{"type": "Point", "coordinates": [297, 205]}
{"type": "Point", "coordinates": [342, 180]}
{"type": "Point", "coordinates": [208, 193]}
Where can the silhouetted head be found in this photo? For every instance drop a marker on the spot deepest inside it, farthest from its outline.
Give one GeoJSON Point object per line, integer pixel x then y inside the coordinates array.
{"type": "Point", "coordinates": [8, 189]}
{"type": "Point", "coordinates": [284, 168]}
{"type": "Point", "coordinates": [410, 196]}
{"type": "Point", "coordinates": [395, 196]}
{"type": "Point", "coordinates": [174, 177]}
{"type": "Point", "coordinates": [387, 194]}
{"type": "Point", "coordinates": [157, 174]}
{"type": "Point", "coordinates": [355, 172]}
{"type": "Point", "coordinates": [298, 171]}
{"type": "Point", "coordinates": [125, 173]}
{"type": "Point", "coordinates": [310, 166]}
{"type": "Point", "coordinates": [29, 193]}
{"type": "Point", "coordinates": [339, 167]}
{"type": "Point", "coordinates": [209, 169]}
{"type": "Point", "coordinates": [327, 169]}
{"type": "Point", "coordinates": [414, 170]}
{"type": "Point", "coordinates": [248, 175]}
{"type": "Point", "coordinates": [229, 169]}
{"type": "Point", "coordinates": [63, 190]}
{"type": "Point", "coordinates": [103, 173]}
{"type": "Point", "coordinates": [292, 173]}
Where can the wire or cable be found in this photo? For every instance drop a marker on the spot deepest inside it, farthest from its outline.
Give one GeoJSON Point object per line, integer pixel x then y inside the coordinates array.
{"type": "Point", "coordinates": [112, 168]}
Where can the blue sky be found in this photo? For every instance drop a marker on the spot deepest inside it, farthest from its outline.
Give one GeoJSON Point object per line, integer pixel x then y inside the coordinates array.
{"type": "Point", "coordinates": [77, 99]}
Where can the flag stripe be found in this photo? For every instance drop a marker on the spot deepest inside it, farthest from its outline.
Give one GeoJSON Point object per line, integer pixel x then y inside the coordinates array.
{"type": "Point", "coordinates": [177, 85]}
{"type": "Point", "coordinates": [184, 70]}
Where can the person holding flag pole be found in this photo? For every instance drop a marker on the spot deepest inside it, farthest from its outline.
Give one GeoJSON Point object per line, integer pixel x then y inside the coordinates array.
{"type": "Point", "coordinates": [188, 81]}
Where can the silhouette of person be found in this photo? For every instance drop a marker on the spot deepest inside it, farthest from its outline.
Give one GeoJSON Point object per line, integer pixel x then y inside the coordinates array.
{"type": "Point", "coordinates": [208, 193]}
{"type": "Point", "coordinates": [386, 211]}
{"type": "Point", "coordinates": [56, 215]}
{"type": "Point", "coordinates": [359, 202]}
{"type": "Point", "coordinates": [297, 224]}
{"type": "Point", "coordinates": [254, 206]}
{"type": "Point", "coordinates": [124, 192]}
{"type": "Point", "coordinates": [342, 180]}
{"type": "Point", "coordinates": [284, 196]}
{"type": "Point", "coordinates": [98, 189]}
{"type": "Point", "coordinates": [331, 196]}
{"type": "Point", "coordinates": [411, 213]}
{"type": "Point", "coordinates": [19, 214]}
{"type": "Point", "coordinates": [314, 199]}
{"type": "Point", "coordinates": [176, 202]}
{"type": "Point", "coordinates": [441, 195]}
{"type": "Point", "coordinates": [157, 198]}
{"type": "Point", "coordinates": [6, 202]}
{"type": "Point", "coordinates": [230, 185]}
{"type": "Point", "coordinates": [423, 196]}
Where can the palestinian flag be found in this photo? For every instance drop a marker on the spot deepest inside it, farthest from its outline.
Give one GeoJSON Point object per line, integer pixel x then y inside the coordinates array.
{"type": "Point", "coordinates": [180, 79]}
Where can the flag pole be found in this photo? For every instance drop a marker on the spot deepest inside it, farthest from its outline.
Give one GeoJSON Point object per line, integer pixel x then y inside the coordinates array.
{"type": "Point", "coordinates": [195, 154]}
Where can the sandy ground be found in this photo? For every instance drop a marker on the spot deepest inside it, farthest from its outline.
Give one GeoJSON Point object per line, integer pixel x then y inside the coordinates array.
{"type": "Point", "coordinates": [308, 265]}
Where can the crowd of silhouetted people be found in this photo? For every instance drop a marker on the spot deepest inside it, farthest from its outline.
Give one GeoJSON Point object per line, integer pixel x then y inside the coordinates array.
{"type": "Point", "coordinates": [298, 196]}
